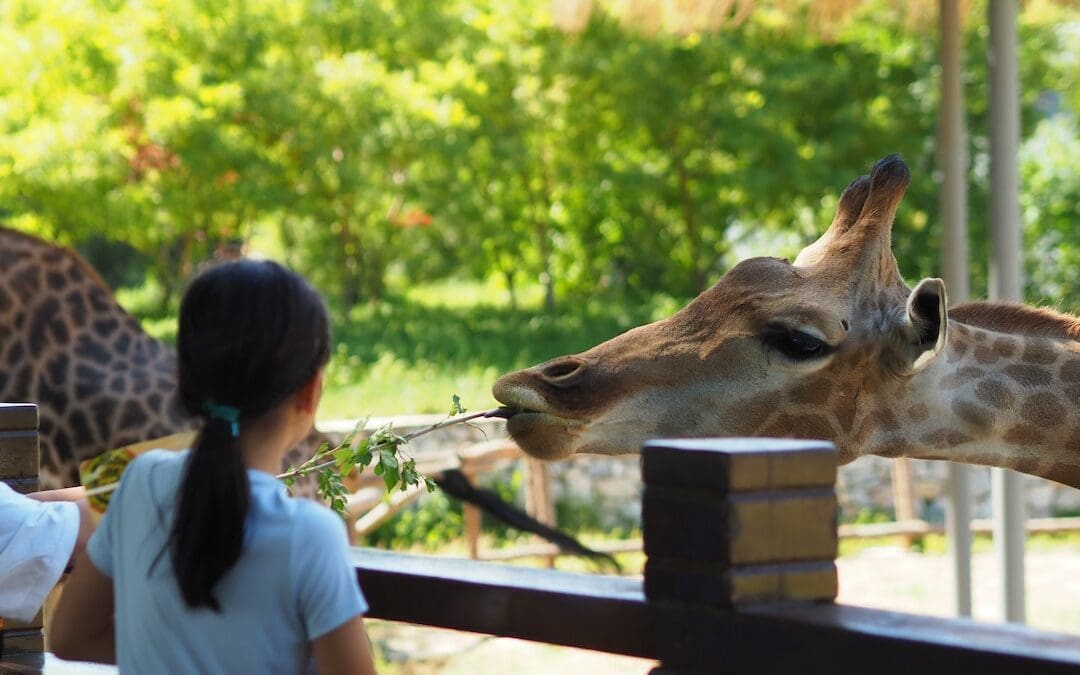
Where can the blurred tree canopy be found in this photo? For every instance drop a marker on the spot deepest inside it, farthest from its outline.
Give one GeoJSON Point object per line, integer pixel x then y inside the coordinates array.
{"type": "Point", "coordinates": [385, 143]}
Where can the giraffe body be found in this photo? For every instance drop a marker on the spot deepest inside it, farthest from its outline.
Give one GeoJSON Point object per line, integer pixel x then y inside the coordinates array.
{"type": "Point", "coordinates": [833, 346]}
{"type": "Point", "coordinates": [100, 382]}
{"type": "Point", "coordinates": [65, 344]}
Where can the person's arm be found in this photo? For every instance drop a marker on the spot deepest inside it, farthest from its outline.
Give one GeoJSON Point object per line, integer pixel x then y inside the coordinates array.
{"type": "Point", "coordinates": [86, 523]}
{"type": "Point", "coordinates": [327, 594]}
{"type": "Point", "coordinates": [82, 627]}
{"type": "Point", "coordinates": [344, 650]}
{"type": "Point", "coordinates": [36, 540]}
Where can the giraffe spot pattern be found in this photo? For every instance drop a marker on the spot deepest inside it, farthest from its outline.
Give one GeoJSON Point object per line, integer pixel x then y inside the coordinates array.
{"type": "Point", "coordinates": [894, 446]}
{"type": "Point", "coordinates": [960, 377]}
{"type": "Point", "coordinates": [47, 313]}
{"type": "Point", "coordinates": [132, 416]}
{"type": "Point", "coordinates": [1070, 371]}
{"type": "Point", "coordinates": [1072, 394]}
{"type": "Point", "coordinates": [56, 368]}
{"type": "Point", "coordinates": [1023, 434]}
{"type": "Point", "coordinates": [1005, 347]}
{"type": "Point", "coordinates": [1043, 410]}
{"type": "Point", "coordinates": [995, 394]}
{"type": "Point", "coordinates": [53, 398]}
{"type": "Point", "coordinates": [986, 355]}
{"type": "Point", "coordinates": [973, 414]}
{"type": "Point", "coordinates": [76, 308]}
{"type": "Point", "coordinates": [1069, 474]}
{"type": "Point", "coordinates": [918, 412]}
{"type": "Point", "coordinates": [1026, 464]}
{"type": "Point", "coordinates": [1028, 376]}
{"type": "Point", "coordinates": [957, 350]}
{"type": "Point", "coordinates": [55, 281]}
{"type": "Point", "coordinates": [80, 427]}
{"type": "Point", "coordinates": [886, 419]}
{"type": "Point", "coordinates": [93, 351]}
{"type": "Point", "coordinates": [102, 411]}
{"type": "Point", "coordinates": [105, 327]}
{"type": "Point", "coordinates": [26, 283]}
{"type": "Point", "coordinates": [1039, 352]}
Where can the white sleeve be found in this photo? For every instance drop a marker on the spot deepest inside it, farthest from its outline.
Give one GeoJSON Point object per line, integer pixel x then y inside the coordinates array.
{"type": "Point", "coordinates": [36, 541]}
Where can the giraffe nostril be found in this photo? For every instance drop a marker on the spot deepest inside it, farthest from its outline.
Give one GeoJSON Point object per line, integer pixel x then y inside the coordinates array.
{"type": "Point", "coordinates": [558, 372]}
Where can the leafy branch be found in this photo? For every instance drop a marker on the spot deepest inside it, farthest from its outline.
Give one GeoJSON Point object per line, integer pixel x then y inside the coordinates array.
{"type": "Point", "coordinates": [383, 448]}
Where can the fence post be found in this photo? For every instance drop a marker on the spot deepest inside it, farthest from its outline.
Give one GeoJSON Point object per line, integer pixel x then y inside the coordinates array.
{"type": "Point", "coordinates": [733, 521]}
{"type": "Point", "coordinates": [19, 469]}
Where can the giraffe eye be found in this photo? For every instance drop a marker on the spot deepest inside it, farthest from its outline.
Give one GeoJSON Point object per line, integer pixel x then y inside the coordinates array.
{"type": "Point", "coordinates": [796, 344]}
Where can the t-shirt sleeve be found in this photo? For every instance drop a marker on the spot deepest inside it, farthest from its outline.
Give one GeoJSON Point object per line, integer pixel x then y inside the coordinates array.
{"type": "Point", "coordinates": [36, 540]}
{"type": "Point", "coordinates": [327, 592]}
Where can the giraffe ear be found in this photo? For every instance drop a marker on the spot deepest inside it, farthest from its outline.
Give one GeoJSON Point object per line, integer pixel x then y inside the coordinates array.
{"type": "Point", "coordinates": [927, 323]}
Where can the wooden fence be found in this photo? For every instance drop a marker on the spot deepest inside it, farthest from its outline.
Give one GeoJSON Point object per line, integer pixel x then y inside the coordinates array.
{"type": "Point", "coordinates": [19, 469]}
{"type": "Point", "coordinates": [740, 537]}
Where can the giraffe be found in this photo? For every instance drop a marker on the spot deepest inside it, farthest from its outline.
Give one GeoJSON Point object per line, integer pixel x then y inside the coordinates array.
{"type": "Point", "coordinates": [100, 382]}
{"type": "Point", "coordinates": [832, 346]}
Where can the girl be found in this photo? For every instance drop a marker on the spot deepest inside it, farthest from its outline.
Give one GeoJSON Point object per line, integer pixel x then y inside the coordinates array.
{"type": "Point", "coordinates": [216, 569]}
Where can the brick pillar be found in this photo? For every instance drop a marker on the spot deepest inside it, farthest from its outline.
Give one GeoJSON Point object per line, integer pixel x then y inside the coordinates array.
{"type": "Point", "coordinates": [19, 469]}
{"type": "Point", "coordinates": [734, 521]}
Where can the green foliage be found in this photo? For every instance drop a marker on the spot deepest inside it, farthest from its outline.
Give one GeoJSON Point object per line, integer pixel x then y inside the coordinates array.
{"type": "Point", "coordinates": [386, 144]}
{"type": "Point", "coordinates": [384, 448]}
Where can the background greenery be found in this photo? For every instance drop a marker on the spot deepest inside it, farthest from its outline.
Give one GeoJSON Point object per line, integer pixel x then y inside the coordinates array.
{"type": "Point", "coordinates": [476, 188]}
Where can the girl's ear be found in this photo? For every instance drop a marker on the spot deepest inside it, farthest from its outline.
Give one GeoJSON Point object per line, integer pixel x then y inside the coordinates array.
{"type": "Point", "coordinates": [309, 395]}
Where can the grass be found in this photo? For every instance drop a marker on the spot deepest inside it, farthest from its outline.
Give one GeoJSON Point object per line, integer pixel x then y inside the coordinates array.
{"type": "Point", "coordinates": [410, 354]}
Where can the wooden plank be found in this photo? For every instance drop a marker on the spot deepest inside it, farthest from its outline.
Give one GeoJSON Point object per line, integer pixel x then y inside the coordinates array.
{"type": "Point", "coordinates": [611, 614]}
{"type": "Point", "coordinates": [19, 453]}
{"type": "Point", "coordinates": [740, 464]}
{"type": "Point", "coordinates": [18, 416]}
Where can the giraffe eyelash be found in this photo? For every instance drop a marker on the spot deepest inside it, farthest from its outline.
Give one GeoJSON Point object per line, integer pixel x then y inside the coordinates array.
{"type": "Point", "coordinates": [795, 344]}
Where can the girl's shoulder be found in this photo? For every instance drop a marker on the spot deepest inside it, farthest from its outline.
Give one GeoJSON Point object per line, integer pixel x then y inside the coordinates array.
{"type": "Point", "coordinates": [317, 520]}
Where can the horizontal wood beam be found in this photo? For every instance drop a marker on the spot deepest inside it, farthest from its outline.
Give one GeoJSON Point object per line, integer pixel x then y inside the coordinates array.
{"type": "Point", "coordinates": [611, 614]}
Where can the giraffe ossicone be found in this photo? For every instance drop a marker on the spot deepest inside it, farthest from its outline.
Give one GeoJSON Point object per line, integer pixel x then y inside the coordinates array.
{"type": "Point", "coordinates": [833, 346]}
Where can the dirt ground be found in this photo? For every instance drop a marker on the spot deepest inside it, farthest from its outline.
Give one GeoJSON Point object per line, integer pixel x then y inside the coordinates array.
{"type": "Point", "coordinates": [884, 578]}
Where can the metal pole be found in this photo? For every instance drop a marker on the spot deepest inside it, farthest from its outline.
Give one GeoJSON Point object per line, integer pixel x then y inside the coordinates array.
{"type": "Point", "coordinates": [952, 155]}
{"type": "Point", "coordinates": [1005, 274]}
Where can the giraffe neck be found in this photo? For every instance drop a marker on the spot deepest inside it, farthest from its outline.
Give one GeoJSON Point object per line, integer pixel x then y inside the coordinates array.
{"type": "Point", "coordinates": [1005, 392]}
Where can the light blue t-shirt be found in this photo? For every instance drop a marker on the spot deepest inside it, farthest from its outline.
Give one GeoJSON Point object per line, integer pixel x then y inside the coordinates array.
{"type": "Point", "coordinates": [292, 583]}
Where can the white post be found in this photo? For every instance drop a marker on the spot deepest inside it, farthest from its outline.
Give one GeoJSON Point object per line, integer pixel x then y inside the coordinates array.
{"type": "Point", "coordinates": [1005, 274]}
{"type": "Point", "coordinates": [952, 156]}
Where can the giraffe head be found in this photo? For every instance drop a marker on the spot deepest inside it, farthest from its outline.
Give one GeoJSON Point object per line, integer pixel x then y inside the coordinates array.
{"type": "Point", "coordinates": [774, 348]}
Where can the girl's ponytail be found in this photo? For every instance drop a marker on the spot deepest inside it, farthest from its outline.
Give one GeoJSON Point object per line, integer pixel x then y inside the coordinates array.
{"type": "Point", "coordinates": [208, 533]}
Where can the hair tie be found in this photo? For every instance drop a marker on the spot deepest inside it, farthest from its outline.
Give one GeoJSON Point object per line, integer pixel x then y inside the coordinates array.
{"type": "Point", "coordinates": [224, 413]}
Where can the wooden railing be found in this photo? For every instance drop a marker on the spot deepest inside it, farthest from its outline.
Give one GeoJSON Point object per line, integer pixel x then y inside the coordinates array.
{"type": "Point", "coordinates": [19, 469]}
{"type": "Point", "coordinates": [740, 537]}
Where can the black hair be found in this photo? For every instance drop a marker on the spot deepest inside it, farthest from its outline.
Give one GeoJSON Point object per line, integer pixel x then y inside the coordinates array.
{"type": "Point", "coordinates": [251, 334]}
